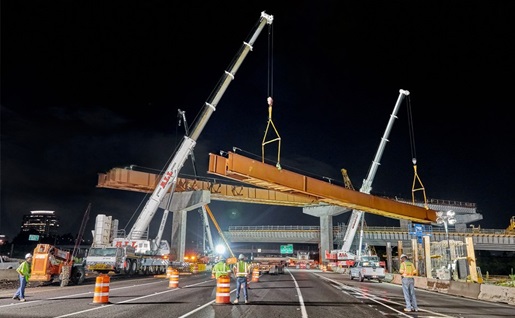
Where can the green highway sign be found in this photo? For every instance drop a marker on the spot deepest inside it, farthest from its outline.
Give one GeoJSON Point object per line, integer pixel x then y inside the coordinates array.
{"type": "Point", "coordinates": [33, 237]}
{"type": "Point", "coordinates": [287, 249]}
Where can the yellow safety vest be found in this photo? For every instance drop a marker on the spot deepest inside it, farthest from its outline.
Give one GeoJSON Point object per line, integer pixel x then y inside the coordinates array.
{"type": "Point", "coordinates": [408, 269]}
{"type": "Point", "coordinates": [242, 269]}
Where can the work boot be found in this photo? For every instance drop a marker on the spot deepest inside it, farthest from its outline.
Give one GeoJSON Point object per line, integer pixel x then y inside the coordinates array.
{"type": "Point", "coordinates": [246, 301]}
{"type": "Point", "coordinates": [236, 301]}
{"type": "Point", "coordinates": [22, 299]}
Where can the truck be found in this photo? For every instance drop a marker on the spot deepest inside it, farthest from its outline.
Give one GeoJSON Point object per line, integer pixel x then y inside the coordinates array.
{"type": "Point", "coordinates": [112, 252]}
{"type": "Point", "coordinates": [344, 256]}
{"type": "Point", "coordinates": [367, 268]}
{"type": "Point", "coordinates": [8, 263]}
{"type": "Point", "coordinates": [133, 253]}
{"type": "Point", "coordinates": [51, 264]}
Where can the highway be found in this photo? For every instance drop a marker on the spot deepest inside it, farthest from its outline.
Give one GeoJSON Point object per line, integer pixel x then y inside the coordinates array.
{"type": "Point", "coordinates": [296, 293]}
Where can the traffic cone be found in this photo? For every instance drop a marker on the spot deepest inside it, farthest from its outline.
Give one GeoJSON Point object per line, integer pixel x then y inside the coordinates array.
{"type": "Point", "coordinates": [101, 294]}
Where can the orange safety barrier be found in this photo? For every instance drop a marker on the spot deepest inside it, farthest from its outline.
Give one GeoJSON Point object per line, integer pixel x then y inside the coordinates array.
{"type": "Point", "coordinates": [169, 270]}
{"type": "Point", "coordinates": [174, 279]}
{"type": "Point", "coordinates": [101, 294]}
{"type": "Point", "coordinates": [255, 275]}
{"type": "Point", "coordinates": [194, 270]}
{"type": "Point", "coordinates": [223, 290]}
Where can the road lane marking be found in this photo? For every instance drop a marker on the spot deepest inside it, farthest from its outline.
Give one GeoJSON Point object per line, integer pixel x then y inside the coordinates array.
{"type": "Point", "coordinates": [377, 299]}
{"type": "Point", "coordinates": [301, 300]}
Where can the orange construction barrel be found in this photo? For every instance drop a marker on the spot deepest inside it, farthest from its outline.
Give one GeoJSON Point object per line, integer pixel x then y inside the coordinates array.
{"type": "Point", "coordinates": [101, 294]}
{"type": "Point", "coordinates": [255, 275]}
{"type": "Point", "coordinates": [194, 270]}
{"type": "Point", "coordinates": [223, 290]}
{"type": "Point", "coordinates": [169, 270]}
{"type": "Point", "coordinates": [174, 279]}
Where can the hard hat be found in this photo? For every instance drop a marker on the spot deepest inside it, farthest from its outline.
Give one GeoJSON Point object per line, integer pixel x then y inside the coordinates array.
{"type": "Point", "coordinates": [28, 255]}
{"type": "Point", "coordinates": [404, 256]}
{"type": "Point", "coordinates": [241, 256]}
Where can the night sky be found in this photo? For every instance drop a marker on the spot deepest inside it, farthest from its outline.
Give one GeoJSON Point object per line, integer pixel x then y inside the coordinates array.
{"type": "Point", "coordinates": [87, 86]}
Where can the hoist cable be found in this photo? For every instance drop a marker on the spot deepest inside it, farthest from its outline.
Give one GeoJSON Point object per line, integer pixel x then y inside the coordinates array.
{"type": "Point", "coordinates": [411, 129]}
{"type": "Point", "coordinates": [270, 81]}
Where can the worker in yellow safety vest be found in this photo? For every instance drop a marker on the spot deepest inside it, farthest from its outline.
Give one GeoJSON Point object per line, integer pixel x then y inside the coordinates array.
{"type": "Point", "coordinates": [408, 270]}
{"type": "Point", "coordinates": [241, 271]}
{"type": "Point", "coordinates": [221, 268]}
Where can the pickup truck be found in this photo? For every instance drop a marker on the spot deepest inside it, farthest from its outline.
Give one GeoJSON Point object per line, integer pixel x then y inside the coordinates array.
{"type": "Point", "coordinates": [367, 269]}
{"type": "Point", "coordinates": [8, 263]}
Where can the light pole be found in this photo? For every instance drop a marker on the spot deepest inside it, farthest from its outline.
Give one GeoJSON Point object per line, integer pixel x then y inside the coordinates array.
{"type": "Point", "coordinates": [446, 219]}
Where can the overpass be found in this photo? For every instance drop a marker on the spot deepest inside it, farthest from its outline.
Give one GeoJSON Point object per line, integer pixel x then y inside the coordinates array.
{"type": "Point", "coordinates": [484, 239]}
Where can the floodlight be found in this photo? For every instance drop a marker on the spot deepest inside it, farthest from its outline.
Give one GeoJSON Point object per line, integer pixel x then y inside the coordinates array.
{"type": "Point", "coordinates": [451, 213]}
{"type": "Point", "coordinates": [452, 221]}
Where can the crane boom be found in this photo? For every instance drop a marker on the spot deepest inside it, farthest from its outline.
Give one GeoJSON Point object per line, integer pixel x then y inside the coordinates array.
{"type": "Point", "coordinates": [366, 187]}
{"type": "Point", "coordinates": [169, 178]}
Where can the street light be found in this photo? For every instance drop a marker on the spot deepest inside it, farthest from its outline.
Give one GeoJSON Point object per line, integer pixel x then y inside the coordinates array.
{"type": "Point", "coordinates": [446, 219]}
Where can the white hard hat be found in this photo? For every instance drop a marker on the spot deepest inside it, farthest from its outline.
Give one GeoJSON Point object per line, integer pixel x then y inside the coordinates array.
{"type": "Point", "coordinates": [241, 256]}
{"type": "Point", "coordinates": [28, 255]}
{"type": "Point", "coordinates": [404, 256]}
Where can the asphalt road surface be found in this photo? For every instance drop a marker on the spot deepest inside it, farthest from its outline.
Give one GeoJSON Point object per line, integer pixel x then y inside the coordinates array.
{"type": "Point", "coordinates": [296, 293]}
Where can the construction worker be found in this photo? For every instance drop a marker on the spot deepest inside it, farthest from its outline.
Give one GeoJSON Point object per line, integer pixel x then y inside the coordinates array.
{"type": "Point", "coordinates": [241, 271]}
{"type": "Point", "coordinates": [408, 271]}
{"type": "Point", "coordinates": [221, 268]}
{"type": "Point", "coordinates": [24, 274]}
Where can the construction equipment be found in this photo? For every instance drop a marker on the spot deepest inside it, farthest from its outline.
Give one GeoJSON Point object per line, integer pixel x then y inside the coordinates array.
{"type": "Point", "coordinates": [344, 253]}
{"type": "Point", "coordinates": [232, 259]}
{"type": "Point", "coordinates": [135, 249]}
{"type": "Point", "coordinates": [51, 264]}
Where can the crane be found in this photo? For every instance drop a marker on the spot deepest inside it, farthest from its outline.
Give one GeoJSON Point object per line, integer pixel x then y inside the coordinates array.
{"type": "Point", "coordinates": [366, 187]}
{"type": "Point", "coordinates": [133, 242]}
{"type": "Point", "coordinates": [169, 178]}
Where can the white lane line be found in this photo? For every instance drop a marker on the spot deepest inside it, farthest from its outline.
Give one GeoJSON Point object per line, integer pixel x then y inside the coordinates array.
{"type": "Point", "coordinates": [301, 300]}
{"type": "Point", "coordinates": [379, 300]}
{"type": "Point", "coordinates": [126, 301]}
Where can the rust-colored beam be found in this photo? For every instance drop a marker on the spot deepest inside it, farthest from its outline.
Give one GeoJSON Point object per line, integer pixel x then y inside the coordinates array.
{"type": "Point", "coordinates": [260, 174]}
{"type": "Point", "coordinates": [132, 180]}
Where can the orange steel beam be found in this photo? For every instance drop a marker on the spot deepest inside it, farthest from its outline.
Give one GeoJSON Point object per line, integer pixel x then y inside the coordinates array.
{"type": "Point", "coordinates": [260, 174]}
{"type": "Point", "coordinates": [132, 180]}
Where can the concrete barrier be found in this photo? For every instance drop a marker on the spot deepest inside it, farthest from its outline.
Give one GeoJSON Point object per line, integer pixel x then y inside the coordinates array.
{"type": "Point", "coordinates": [492, 293]}
{"type": "Point", "coordinates": [8, 274]}
{"type": "Point", "coordinates": [497, 294]}
{"type": "Point", "coordinates": [469, 290]}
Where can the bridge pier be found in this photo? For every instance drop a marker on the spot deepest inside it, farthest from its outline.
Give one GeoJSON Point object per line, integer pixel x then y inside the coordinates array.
{"type": "Point", "coordinates": [325, 213]}
{"type": "Point", "coordinates": [181, 203]}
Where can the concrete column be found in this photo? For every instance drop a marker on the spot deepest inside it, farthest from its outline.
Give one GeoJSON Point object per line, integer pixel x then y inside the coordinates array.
{"type": "Point", "coordinates": [325, 213]}
{"type": "Point", "coordinates": [180, 204]}
{"type": "Point", "coordinates": [178, 239]}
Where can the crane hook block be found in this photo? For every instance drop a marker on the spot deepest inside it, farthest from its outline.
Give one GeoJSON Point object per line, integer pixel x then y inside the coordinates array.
{"type": "Point", "coordinates": [270, 101]}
